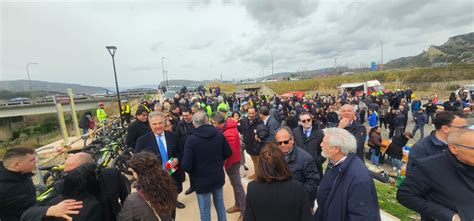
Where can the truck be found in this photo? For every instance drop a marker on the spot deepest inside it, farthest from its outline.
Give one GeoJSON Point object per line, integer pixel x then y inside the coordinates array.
{"type": "Point", "coordinates": [360, 88]}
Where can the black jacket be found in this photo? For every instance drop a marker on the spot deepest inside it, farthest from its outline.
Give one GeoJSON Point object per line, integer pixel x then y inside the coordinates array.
{"type": "Point", "coordinates": [183, 131]}
{"type": "Point", "coordinates": [248, 134]}
{"type": "Point", "coordinates": [91, 211]}
{"type": "Point", "coordinates": [17, 194]}
{"type": "Point", "coordinates": [84, 122]}
{"type": "Point", "coordinates": [311, 144]}
{"type": "Point", "coordinates": [135, 130]}
{"type": "Point", "coordinates": [395, 149]}
{"type": "Point", "coordinates": [203, 158]}
{"type": "Point", "coordinates": [332, 117]}
{"type": "Point", "coordinates": [430, 107]}
{"type": "Point", "coordinates": [438, 187]}
{"type": "Point", "coordinates": [360, 133]}
{"type": "Point", "coordinates": [428, 146]}
{"type": "Point", "coordinates": [113, 191]}
{"type": "Point", "coordinates": [148, 143]}
{"type": "Point", "coordinates": [276, 201]}
{"type": "Point", "coordinates": [399, 120]}
{"type": "Point", "coordinates": [303, 169]}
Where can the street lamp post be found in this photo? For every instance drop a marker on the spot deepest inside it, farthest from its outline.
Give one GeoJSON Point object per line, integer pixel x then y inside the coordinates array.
{"type": "Point", "coordinates": [29, 79]}
{"type": "Point", "coordinates": [163, 69]}
{"type": "Point", "coordinates": [112, 50]}
{"type": "Point", "coordinates": [272, 62]}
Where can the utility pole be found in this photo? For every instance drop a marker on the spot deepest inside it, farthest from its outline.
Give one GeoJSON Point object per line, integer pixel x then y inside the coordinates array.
{"type": "Point", "coordinates": [381, 46]}
{"type": "Point", "coordinates": [272, 62]}
{"type": "Point", "coordinates": [29, 79]}
{"type": "Point", "coordinates": [335, 65]}
{"type": "Point", "coordinates": [162, 68]}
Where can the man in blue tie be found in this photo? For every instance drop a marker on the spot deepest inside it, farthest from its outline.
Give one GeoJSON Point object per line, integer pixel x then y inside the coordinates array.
{"type": "Point", "coordinates": [165, 145]}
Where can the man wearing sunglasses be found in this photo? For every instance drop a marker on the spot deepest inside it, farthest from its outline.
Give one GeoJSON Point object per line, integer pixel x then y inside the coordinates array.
{"type": "Point", "coordinates": [445, 123]}
{"type": "Point", "coordinates": [440, 187]}
{"type": "Point", "coordinates": [300, 163]}
{"type": "Point", "coordinates": [309, 136]}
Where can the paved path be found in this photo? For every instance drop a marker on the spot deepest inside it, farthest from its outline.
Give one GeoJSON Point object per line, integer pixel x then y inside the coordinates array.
{"type": "Point", "coordinates": [191, 212]}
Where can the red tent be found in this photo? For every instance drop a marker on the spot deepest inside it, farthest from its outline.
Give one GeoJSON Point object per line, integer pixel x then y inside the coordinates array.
{"type": "Point", "coordinates": [299, 94]}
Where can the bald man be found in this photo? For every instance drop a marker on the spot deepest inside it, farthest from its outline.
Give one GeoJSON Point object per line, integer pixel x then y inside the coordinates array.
{"type": "Point", "coordinates": [112, 185]}
{"type": "Point", "coordinates": [349, 122]}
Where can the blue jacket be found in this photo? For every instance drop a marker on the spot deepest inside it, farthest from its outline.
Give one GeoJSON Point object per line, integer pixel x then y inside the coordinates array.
{"type": "Point", "coordinates": [428, 146]}
{"type": "Point", "coordinates": [420, 118]}
{"type": "Point", "coordinates": [438, 187]}
{"type": "Point", "coordinates": [347, 192]}
{"type": "Point", "coordinates": [272, 125]}
{"type": "Point", "coordinates": [415, 105]}
{"type": "Point", "coordinates": [373, 119]}
{"type": "Point", "coordinates": [203, 158]}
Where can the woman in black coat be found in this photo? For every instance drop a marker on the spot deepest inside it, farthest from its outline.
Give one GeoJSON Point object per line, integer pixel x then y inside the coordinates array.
{"type": "Point", "coordinates": [274, 196]}
{"type": "Point", "coordinates": [395, 149]}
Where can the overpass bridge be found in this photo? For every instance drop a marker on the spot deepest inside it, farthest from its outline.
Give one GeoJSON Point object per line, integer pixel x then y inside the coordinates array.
{"type": "Point", "coordinates": [48, 108]}
{"type": "Point", "coordinates": [12, 117]}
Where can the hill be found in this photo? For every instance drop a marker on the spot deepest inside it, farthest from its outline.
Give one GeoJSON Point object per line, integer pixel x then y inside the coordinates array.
{"type": "Point", "coordinates": [22, 85]}
{"type": "Point", "coordinates": [458, 49]}
{"type": "Point", "coordinates": [419, 79]}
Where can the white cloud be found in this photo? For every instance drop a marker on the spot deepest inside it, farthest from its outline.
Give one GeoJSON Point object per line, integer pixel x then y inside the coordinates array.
{"type": "Point", "coordinates": [203, 39]}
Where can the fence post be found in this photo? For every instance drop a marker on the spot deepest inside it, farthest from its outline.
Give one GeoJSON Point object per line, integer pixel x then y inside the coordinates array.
{"type": "Point", "coordinates": [73, 113]}
{"type": "Point", "coordinates": [62, 123]}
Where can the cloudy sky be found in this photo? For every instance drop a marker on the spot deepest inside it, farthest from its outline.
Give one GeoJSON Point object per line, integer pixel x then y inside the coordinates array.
{"type": "Point", "coordinates": [204, 39]}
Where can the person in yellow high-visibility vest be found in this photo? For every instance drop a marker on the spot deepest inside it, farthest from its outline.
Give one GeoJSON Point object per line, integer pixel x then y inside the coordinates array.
{"type": "Point", "coordinates": [126, 114]}
{"type": "Point", "coordinates": [100, 113]}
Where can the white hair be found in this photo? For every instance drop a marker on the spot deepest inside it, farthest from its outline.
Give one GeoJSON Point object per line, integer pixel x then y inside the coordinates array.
{"type": "Point", "coordinates": [353, 108]}
{"type": "Point", "coordinates": [338, 137]}
{"type": "Point", "coordinates": [200, 118]}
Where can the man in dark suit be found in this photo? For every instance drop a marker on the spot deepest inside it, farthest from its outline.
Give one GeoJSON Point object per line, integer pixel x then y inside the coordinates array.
{"type": "Point", "coordinates": [440, 186]}
{"type": "Point", "coordinates": [137, 128]}
{"type": "Point", "coordinates": [349, 123]}
{"type": "Point", "coordinates": [165, 145]}
{"type": "Point", "coordinates": [269, 121]}
{"type": "Point", "coordinates": [309, 136]}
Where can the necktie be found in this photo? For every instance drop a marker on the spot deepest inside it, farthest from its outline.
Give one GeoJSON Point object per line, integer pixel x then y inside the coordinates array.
{"type": "Point", "coordinates": [164, 155]}
{"type": "Point", "coordinates": [307, 132]}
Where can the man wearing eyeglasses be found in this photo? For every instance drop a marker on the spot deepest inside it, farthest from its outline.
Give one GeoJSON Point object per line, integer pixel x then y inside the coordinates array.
{"type": "Point", "coordinates": [445, 123]}
{"type": "Point", "coordinates": [300, 163]}
{"type": "Point", "coordinates": [440, 187]}
{"type": "Point", "coordinates": [309, 136]}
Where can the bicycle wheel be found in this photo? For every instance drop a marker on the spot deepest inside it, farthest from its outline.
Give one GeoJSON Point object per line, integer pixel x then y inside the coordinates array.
{"type": "Point", "coordinates": [121, 163]}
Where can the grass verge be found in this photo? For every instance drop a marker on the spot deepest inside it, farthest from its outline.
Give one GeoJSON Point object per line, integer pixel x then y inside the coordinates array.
{"type": "Point", "coordinates": [388, 201]}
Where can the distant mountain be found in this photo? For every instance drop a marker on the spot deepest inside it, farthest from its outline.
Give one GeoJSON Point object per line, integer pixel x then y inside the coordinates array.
{"type": "Point", "coordinates": [22, 85]}
{"type": "Point", "coordinates": [458, 49]}
{"type": "Point", "coordinates": [305, 74]}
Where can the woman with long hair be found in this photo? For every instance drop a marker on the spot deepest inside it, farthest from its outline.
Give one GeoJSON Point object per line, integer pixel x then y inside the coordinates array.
{"type": "Point", "coordinates": [274, 195]}
{"type": "Point", "coordinates": [375, 142]}
{"type": "Point", "coordinates": [156, 195]}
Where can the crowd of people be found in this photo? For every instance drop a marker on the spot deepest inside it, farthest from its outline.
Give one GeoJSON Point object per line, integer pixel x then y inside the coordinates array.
{"type": "Point", "coordinates": [304, 150]}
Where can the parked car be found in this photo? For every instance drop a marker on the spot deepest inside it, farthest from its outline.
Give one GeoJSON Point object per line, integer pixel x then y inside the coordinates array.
{"type": "Point", "coordinates": [19, 100]}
